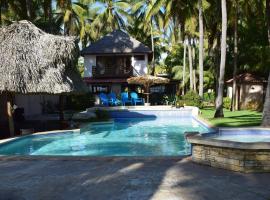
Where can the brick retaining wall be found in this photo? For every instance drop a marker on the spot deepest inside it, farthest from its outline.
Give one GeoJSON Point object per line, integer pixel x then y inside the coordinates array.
{"type": "Point", "coordinates": [242, 160]}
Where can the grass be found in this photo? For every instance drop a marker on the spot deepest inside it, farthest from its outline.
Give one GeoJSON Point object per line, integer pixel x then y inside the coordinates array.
{"type": "Point", "coordinates": [232, 119]}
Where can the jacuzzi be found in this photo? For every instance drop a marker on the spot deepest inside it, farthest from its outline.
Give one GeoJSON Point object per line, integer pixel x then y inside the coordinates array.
{"type": "Point", "coordinates": [238, 149]}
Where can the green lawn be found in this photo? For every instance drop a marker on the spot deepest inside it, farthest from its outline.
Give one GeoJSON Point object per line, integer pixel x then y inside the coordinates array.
{"type": "Point", "coordinates": [233, 119]}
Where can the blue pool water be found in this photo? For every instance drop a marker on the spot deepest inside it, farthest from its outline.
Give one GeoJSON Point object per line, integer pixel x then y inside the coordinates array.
{"type": "Point", "coordinates": [125, 137]}
{"type": "Point", "coordinates": [244, 135]}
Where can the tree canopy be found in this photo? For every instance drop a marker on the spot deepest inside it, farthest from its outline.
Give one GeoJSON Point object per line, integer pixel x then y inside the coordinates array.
{"type": "Point", "coordinates": [166, 26]}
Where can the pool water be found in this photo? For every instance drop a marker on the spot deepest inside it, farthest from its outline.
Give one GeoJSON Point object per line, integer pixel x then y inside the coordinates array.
{"type": "Point", "coordinates": [124, 137]}
{"type": "Point", "coordinates": [247, 136]}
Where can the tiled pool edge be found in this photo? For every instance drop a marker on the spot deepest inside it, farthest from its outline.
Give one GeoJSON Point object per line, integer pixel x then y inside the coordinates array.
{"type": "Point", "coordinates": [91, 158]}
{"type": "Point", "coordinates": [235, 156]}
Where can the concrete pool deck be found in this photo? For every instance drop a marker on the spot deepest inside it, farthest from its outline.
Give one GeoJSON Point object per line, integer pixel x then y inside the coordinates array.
{"type": "Point", "coordinates": [126, 178]}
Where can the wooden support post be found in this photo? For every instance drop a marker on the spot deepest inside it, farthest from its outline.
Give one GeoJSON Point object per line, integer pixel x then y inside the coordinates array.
{"type": "Point", "coordinates": [10, 115]}
{"type": "Point", "coordinates": [61, 110]}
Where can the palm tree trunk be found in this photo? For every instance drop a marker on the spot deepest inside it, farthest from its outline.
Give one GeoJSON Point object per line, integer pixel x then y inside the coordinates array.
{"type": "Point", "coordinates": [201, 49]}
{"type": "Point", "coordinates": [194, 81]}
{"type": "Point", "coordinates": [194, 70]}
{"type": "Point", "coordinates": [1, 4]}
{"type": "Point", "coordinates": [217, 62]}
{"type": "Point", "coordinates": [219, 100]}
{"type": "Point", "coordinates": [190, 67]}
{"type": "Point", "coordinates": [184, 69]}
{"type": "Point", "coordinates": [153, 49]}
{"type": "Point", "coordinates": [47, 9]}
{"type": "Point", "coordinates": [235, 58]}
{"type": "Point", "coordinates": [268, 19]}
{"type": "Point", "coordinates": [29, 9]}
{"type": "Point", "coordinates": [266, 109]}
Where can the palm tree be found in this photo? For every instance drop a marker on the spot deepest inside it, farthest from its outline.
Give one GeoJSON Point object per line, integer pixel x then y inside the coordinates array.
{"type": "Point", "coordinates": [1, 5]}
{"type": "Point", "coordinates": [47, 9]}
{"type": "Point", "coordinates": [266, 109]}
{"type": "Point", "coordinates": [184, 67]}
{"type": "Point", "coordinates": [191, 84]}
{"type": "Point", "coordinates": [194, 65]}
{"type": "Point", "coordinates": [181, 10]}
{"type": "Point", "coordinates": [151, 19]}
{"type": "Point", "coordinates": [21, 9]}
{"type": "Point", "coordinates": [72, 15]}
{"type": "Point", "coordinates": [112, 15]}
{"type": "Point", "coordinates": [201, 42]}
{"type": "Point", "coordinates": [235, 57]}
{"type": "Point", "coordinates": [219, 99]}
{"type": "Point", "coordinates": [212, 16]}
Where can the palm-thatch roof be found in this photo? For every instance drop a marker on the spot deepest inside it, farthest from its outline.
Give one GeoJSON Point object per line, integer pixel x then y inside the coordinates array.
{"type": "Point", "coordinates": [147, 80]}
{"type": "Point", "coordinates": [116, 42]}
{"type": "Point", "coordinates": [32, 61]}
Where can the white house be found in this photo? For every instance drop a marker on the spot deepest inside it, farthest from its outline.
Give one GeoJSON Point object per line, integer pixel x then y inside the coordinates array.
{"type": "Point", "coordinates": [112, 59]}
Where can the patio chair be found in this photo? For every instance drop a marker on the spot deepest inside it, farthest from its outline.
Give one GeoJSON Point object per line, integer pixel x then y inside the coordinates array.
{"type": "Point", "coordinates": [125, 99]}
{"type": "Point", "coordinates": [104, 99]}
{"type": "Point", "coordinates": [113, 100]}
{"type": "Point", "coordinates": [135, 99]}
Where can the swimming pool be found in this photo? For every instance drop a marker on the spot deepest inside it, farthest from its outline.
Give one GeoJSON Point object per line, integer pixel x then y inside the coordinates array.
{"type": "Point", "coordinates": [238, 149]}
{"type": "Point", "coordinates": [245, 135]}
{"type": "Point", "coordinates": [144, 136]}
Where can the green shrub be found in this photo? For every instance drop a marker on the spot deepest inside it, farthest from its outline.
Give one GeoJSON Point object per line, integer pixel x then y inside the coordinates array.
{"type": "Point", "coordinates": [227, 103]}
{"type": "Point", "coordinates": [191, 98]}
{"type": "Point", "coordinates": [180, 103]}
{"type": "Point", "coordinates": [80, 102]}
{"type": "Point", "coordinates": [209, 97]}
{"type": "Point", "coordinates": [169, 99]}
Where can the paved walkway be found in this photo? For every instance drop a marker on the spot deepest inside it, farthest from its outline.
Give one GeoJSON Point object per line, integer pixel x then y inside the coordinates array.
{"type": "Point", "coordinates": [114, 179]}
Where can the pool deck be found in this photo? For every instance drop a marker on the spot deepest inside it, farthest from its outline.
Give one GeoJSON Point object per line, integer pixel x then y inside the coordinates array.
{"type": "Point", "coordinates": [126, 178]}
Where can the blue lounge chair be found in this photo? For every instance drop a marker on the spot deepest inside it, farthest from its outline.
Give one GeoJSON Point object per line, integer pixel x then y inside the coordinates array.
{"type": "Point", "coordinates": [104, 99]}
{"type": "Point", "coordinates": [125, 99]}
{"type": "Point", "coordinates": [135, 99]}
{"type": "Point", "coordinates": [113, 100]}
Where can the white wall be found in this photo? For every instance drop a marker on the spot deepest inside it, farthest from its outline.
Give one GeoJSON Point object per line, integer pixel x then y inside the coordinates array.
{"type": "Point", "coordinates": [32, 104]}
{"type": "Point", "coordinates": [229, 91]}
{"type": "Point", "coordinates": [140, 65]}
{"type": "Point", "coordinates": [89, 62]}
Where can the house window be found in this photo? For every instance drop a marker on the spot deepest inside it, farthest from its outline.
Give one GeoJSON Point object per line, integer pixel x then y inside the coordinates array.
{"type": "Point", "coordinates": [139, 57]}
{"type": "Point", "coordinates": [113, 65]}
{"type": "Point", "coordinates": [100, 88]}
{"type": "Point", "coordinates": [157, 89]}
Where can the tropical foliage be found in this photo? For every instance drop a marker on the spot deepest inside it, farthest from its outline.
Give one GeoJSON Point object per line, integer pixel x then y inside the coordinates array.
{"type": "Point", "coordinates": [172, 28]}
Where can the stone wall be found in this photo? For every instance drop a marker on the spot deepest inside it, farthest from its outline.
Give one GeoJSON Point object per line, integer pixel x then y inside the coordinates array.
{"type": "Point", "coordinates": [242, 160]}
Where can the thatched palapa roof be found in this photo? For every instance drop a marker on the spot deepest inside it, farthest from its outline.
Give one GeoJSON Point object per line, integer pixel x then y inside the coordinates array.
{"type": "Point", "coordinates": [147, 80]}
{"type": "Point", "coordinates": [32, 61]}
{"type": "Point", "coordinates": [116, 42]}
